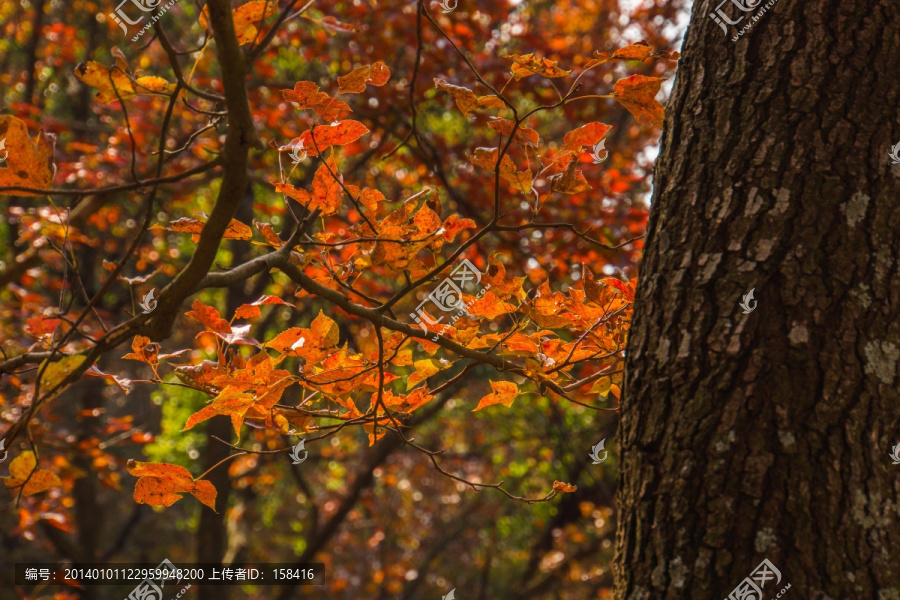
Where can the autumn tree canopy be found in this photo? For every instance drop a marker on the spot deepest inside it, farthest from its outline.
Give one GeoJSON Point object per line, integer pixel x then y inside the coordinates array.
{"type": "Point", "coordinates": [402, 233]}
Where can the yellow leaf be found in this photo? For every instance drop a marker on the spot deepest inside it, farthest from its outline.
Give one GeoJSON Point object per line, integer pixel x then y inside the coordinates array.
{"type": "Point", "coordinates": [424, 369]}
{"type": "Point", "coordinates": [112, 80]}
{"type": "Point", "coordinates": [504, 393]}
{"type": "Point", "coordinates": [56, 372]}
{"type": "Point", "coordinates": [29, 162]}
{"type": "Point", "coordinates": [326, 333]}
{"type": "Point", "coordinates": [22, 471]}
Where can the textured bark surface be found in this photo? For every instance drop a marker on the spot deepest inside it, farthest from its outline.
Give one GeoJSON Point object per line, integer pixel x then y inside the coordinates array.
{"type": "Point", "coordinates": [766, 435]}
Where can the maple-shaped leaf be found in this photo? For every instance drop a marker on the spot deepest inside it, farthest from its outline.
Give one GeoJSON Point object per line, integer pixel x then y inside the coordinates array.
{"type": "Point", "coordinates": [355, 81]}
{"type": "Point", "coordinates": [424, 369]}
{"type": "Point", "coordinates": [112, 80]}
{"type": "Point", "coordinates": [504, 393]}
{"type": "Point", "coordinates": [637, 93]}
{"type": "Point", "coordinates": [23, 472]}
{"type": "Point", "coordinates": [232, 402]}
{"type": "Point", "coordinates": [560, 486]}
{"type": "Point", "coordinates": [306, 94]}
{"type": "Point", "coordinates": [521, 344]}
{"type": "Point", "coordinates": [326, 190]}
{"type": "Point", "coordinates": [490, 306]}
{"type": "Point", "coordinates": [162, 484]}
{"type": "Point", "coordinates": [28, 162]}
{"type": "Point", "coordinates": [465, 98]}
{"type": "Point", "coordinates": [339, 133]}
{"type": "Point", "coordinates": [144, 350]}
{"type": "Point", "coordinates": [486, 158]}
{"type": "Point", "coordinates": [528, 64]}
{"type": "Point", "coordinates": [209, 316]}
{"type": "Point", "coordinates": [524, 135]}
{"type": "Point", "coordinates": [246, 17]}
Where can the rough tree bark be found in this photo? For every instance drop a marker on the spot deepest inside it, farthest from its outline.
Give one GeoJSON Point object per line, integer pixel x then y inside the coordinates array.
{"type": "Point", "coordinates": [766, 435]}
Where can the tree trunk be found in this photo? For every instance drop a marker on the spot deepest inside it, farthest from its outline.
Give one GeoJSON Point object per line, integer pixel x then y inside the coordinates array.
{"type": "Point", "coordinates": [766, 435]}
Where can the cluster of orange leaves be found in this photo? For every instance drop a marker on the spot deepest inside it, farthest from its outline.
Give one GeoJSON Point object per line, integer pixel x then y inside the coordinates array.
{"type": "Point", "coordinates": [251, 388]}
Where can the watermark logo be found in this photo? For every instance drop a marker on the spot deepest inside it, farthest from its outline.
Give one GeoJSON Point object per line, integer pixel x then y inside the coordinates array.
{"type": "Point", "coordinates": [894, 154]}
{"type": "Point", "coordinates": [721, 18]}
{"type": "Point", "coordinates": [3, 449]}
{"type": "Point", "coordinates": [295, 455]}
{"type": "Point", "coordinates": [298, 154]}
{"type": "Point", "coordinates": [595, 452]}
{"type": "Point", "coordinates": [120, 17]}
{"type": "Point", "coordinates": [449, 596]}
{"type": "Point", "coordinates": [751, 588]}
{"type": "Point", "coordinates": [445, 4]}
{"type": "Point", "coordinates": [895, 453]}
{"type": "Point", "coordinates": [147, 303]}
{"type": "Point", "coordinates": [598, 147]}
{"type": "Point", "coordinates": [5, 153]}
{"type": "Point", "coordinates": [148, 588]}
{"type": "Point", "coordinates": [745, 304]}
{"type": "Point", "coordinates": [448, 297]}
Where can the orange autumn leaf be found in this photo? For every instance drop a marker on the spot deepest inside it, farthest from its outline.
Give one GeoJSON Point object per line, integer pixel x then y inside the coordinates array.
{"type": "Point", "coordinates": [524, 135]}
{"type": "Point", "coordinates": [586, 135]}
{"type": "Point", "coordinates": [637, 93]}
{"type": "Point", "coordinates": [504, 393]}
{"type": "Point", "coordinates": [571, 181]}
{"type": "Point", "coordinates": [209, 316]}
{"type": "Point", "coordinates": [232, 402]}
{"type": "Point", "coordinates": [268, 232]}
{"type": "Point", "coordinates": [528, 64]}
{"type": "Point", "coordinates": [306, 95]}
{"type": "Point", "coordinates": [23, 471]}
{"type": "Point", "coordinates": [29, 162]}
{"type": "Point", "coordinates": [340, 133]}
{"type": "Point", "coordinates": [249, 311]}
{"type": "Point", "coordinates": [235, 230]}
{"type": "Point", "coordinates": [355, 81]}
{"type": "Point", "coordinates": [486, 158]}
{"type": "Point", "coordinates": [325, 332]}
{"type": "Point", "coordinates": [246, 17]}
{"type": "Point", "coordinates": [326, 190]}
{"type": "Point", "coordinates": [565, 488]}
{"type": "Point", "coordinates": [490, 306]}
{"type": "Point", "coordinates": [162, 484]}
{"type": "Point", "coordinates": [465, 98]}
{"type": "Point", "coordinates": [621, 286]}
{"type": "Point", "coordinates": [453, 225]}
{"type": "Point", "coordinates": [637, 51]}
{"type": "Point", "coordinates": [490, 102]}
{"type": "Point", "coordinates": [144, 350]}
